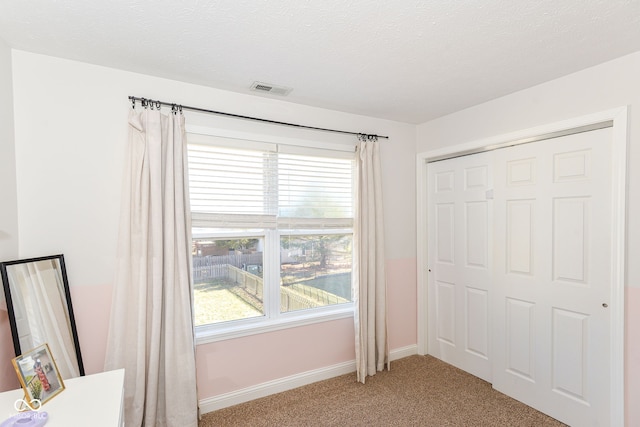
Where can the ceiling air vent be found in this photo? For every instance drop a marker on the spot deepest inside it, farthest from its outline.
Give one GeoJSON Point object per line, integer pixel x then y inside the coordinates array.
{"type": "Point", "coordinates": [269, 88]}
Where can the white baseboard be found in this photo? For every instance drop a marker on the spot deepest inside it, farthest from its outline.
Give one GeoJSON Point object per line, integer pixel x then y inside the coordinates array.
{"type": "Point", "coordinates": [287, 383]}
{"type": "Point", "coordinates": [400, 353]}
{"type": "Point", "coordinates": [275, 386]}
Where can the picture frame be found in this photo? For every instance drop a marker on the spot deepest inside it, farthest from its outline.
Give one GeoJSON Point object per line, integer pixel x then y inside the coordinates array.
{"type": "Point", "coordinates": [38, 375]}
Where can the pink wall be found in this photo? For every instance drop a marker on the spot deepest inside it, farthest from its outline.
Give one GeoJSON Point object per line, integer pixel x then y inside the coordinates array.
{"type": "Point", "coordinates": [402, 302]}
{"type": "Point", "coordinates": [91, 307]}
{"type": "Point", "coordinates": [235, 364]}
{"type": "Point", "coordinates": [632, 359]}
{"type": "Point", "coordinates": [8, 379]}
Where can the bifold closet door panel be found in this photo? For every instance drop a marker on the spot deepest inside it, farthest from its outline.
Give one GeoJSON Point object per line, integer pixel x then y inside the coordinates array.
{"type": "Point", "coordinates": [551, 325]}
{"type": "Point", "coordinates": [460, 259]}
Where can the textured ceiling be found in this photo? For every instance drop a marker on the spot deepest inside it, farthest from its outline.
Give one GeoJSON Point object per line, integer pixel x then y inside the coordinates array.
{"type": "Point", "coordinates": [402, 60]}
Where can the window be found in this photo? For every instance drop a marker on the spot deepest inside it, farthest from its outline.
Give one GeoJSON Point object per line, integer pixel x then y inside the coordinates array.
{"type": "Point", "coordinates": [272, 231]}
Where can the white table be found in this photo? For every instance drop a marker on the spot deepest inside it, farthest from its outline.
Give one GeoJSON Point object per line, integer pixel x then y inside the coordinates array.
{"type": "Point", "coordinates": [93, 400]}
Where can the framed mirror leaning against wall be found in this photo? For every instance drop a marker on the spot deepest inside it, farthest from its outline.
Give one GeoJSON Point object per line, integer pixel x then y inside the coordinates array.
{"type": "Point", "coordinates": [40, 311]}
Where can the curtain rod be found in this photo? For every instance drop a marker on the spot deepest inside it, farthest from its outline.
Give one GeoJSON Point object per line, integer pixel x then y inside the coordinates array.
{"type": "Point", "coordinates": [153, 102]}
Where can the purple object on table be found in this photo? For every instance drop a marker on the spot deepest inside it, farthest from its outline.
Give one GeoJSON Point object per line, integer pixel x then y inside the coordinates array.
{"type": "Point", "coordinates": [27, 419]}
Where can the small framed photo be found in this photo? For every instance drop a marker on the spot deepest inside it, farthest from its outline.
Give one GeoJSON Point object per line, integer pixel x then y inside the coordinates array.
{"type": "Point", "coordinates": [38, 375]}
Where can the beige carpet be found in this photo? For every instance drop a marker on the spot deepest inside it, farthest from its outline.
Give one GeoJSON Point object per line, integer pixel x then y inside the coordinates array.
{"type": "Point", "coordinates": [418, 391]}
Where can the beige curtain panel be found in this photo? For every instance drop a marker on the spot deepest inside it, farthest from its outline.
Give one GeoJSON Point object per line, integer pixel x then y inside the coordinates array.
{"type": "Point", "coordinates": [151, 329]}
{"type": "Point", "coordinates": [370, 286]}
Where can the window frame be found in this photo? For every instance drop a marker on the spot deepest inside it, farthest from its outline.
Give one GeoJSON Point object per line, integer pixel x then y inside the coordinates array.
{"type": "Point", "coordinates": [272, 319]}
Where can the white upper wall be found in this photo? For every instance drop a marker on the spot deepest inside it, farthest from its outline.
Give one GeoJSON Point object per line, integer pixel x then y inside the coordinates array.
{"type": "Point", "coordinates": [71, 131]}
{"type": "Point", "coordinates": [8, 197]}
{"type": "Point", "coordinates": [606, 86]}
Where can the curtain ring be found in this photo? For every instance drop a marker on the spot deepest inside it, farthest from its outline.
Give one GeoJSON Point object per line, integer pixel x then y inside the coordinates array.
{"type": "Point", "coordinates": [133, 103]}
{"type": "Point", "coordinates": [367, 137]}
{"type": "Point", "coordinates": [158, 105]}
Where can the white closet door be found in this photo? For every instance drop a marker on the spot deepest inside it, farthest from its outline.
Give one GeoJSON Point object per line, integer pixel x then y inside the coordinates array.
{"type": "Point", "coordinates": [552, 216]}
{"type": "Point", "coordinates": [459, 226]}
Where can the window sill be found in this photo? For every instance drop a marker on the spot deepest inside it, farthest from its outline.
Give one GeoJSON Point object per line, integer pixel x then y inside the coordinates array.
{"type": "Point", "coordinates": [213, 333]}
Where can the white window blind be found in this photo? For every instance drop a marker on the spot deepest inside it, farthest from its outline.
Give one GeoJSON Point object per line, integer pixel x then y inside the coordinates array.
{"type": "Point", "coordinates": [288, 188]}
